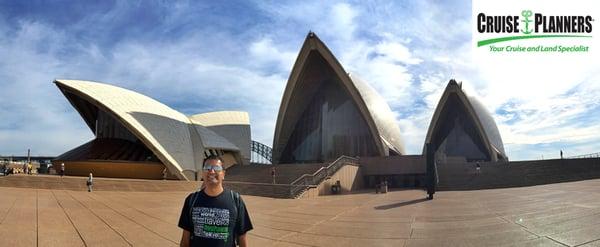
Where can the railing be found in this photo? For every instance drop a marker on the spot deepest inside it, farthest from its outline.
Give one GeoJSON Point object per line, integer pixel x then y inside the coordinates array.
{"type": "Point", "coordinates": [312, 180]}
{"type": "Point", "coordinates": [261, 150]}
{"type": "Point", "coordinates": [583, 156]}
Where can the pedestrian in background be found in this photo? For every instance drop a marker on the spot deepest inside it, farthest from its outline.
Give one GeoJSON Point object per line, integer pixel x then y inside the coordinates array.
{"type": "Point", "coordinates": [273, 174]}
{"type": "Point", "coordinates": [90, 182]}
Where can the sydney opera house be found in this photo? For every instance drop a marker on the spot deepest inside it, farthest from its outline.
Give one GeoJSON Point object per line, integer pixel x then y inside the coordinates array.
{"type": "Point", "coordinates": [325, 113]}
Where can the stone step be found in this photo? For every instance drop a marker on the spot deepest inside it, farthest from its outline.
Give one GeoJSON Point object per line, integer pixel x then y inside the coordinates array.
{"type": "Point", "coordinates": [284, 173]}
{"type": "Point", "coordinates": [100, 184]}
{"type": "Point", "coordinates": [139, 185]}
{"type": "Point", "coordinates": [458, 176]}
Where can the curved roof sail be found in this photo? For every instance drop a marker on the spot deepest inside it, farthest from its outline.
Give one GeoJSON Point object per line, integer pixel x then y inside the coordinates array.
{"type": "Point", "coordinates": [456, 108]}
{"type": "Point", "coordinates": [316, 70]}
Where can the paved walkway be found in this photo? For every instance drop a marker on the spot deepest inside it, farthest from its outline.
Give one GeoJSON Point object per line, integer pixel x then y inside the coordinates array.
{"type": "Point", "coordinates": [566, 214]}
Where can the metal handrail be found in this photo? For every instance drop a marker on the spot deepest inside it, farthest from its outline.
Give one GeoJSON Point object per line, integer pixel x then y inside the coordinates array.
{"type": "Point", "coordinates": [314, 179]}
{"type": "Point", "coordinates": [583, 156]}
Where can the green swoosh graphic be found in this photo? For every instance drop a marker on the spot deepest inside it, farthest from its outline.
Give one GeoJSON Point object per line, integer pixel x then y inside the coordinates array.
{"type": "Point", "coordinates": [509, 38]}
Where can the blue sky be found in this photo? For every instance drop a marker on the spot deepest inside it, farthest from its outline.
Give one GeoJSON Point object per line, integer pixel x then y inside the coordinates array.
{"type": "Point", "coordinates": [201, 56]}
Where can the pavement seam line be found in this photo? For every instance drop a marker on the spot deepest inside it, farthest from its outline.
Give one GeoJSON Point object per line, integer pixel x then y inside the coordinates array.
{"type": "Point", "coordinates": [69, 218]}
{"type": "Point", "coordinates": [578, 227]}
{"type": "Point", "coordinates": [132, 220]}
{"type": "Point", "coordinates": [556, 241]}
{"type": "Point", "coordinates": [8, 211]}
{"type": "Point", "coordinates": [524, 228]}
{"type": "Point", "coordinates": [100, 218]}
{"type": "Point", "coordinates": [278, 241]}
{"type": "Point", "coordinates": [324, 220]}
{"type": "Point", "coordinates": [588, 242]}
{"type": "Point", "coordinates": [142, 212]}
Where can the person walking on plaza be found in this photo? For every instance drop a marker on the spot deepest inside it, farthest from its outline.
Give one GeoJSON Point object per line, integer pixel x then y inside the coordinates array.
{"type": "Point", "coordinates": [561, 154]}
{"type": "Point", "coordinates": [90, 182]}
{"type": "Point", "coordinates": [62, 169]}
{"type": "Point", "coordinates": [273, 174]}
{"type": "Point", "coordinates": [214, 216]}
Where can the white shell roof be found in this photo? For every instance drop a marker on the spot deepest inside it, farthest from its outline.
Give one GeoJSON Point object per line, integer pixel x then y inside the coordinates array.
{"type": "Point", "coordinates": [381, 113]}
{"type": "Point", "coordinates": [221, 118]}
{"type": "Point", "coordinates": [163, 130]}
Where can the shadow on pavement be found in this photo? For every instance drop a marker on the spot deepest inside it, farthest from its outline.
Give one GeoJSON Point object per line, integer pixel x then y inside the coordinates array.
{"type": "Point", "coordinates": [400, 204]}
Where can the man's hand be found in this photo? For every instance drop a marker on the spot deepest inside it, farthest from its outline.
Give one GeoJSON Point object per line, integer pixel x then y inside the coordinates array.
{"type": "Point", "coordinates": [185, 239]}
{"type": "Point", "coordinates": [242, 239]}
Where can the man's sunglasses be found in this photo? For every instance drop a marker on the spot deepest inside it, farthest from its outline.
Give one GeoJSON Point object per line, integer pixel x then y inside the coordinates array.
{"type": "Point", "coordinates": [211, 167]}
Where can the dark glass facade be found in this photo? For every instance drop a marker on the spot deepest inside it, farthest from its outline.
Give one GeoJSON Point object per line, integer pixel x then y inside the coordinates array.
{"type": "Point", "coordinates": [329, 126]}
{"type": "Point", "coordinates": [457, 133]}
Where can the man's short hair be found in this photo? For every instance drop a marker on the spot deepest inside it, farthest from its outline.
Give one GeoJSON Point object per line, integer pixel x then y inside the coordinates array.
{"type": "Point", "coordinates": [212, 157]}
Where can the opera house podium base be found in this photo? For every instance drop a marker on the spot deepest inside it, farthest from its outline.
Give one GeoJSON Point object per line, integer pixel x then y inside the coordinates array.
{"type": "Point", "coordinates": [113, 169]}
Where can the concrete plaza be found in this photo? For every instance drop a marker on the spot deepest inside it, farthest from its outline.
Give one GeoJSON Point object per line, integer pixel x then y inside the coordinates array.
{"type": "Point", "coordinates": [564, 214]}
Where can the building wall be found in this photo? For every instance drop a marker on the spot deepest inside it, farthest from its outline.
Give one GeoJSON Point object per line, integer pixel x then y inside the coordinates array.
{"type": "Point", "coordinates": [406, 164]}
{"type": "Point", "coordinates": [350, 178]}
{"type": "Point", "coordinates": [113, 169]}
{"type": "Point", "coordinates": [491, 175]}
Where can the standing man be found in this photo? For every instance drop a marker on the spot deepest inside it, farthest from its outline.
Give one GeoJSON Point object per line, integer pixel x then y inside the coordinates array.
{"type": "Point", "coordinates": [561, 154]}
{"type": "Point", "coordinates": [273, 174]}
{"type": "Point", "coordinates": [62, 169]}
{"type": "Point", "coordinates": [90, 182]}
{"type": "Point", "coordinates": [214, 216]}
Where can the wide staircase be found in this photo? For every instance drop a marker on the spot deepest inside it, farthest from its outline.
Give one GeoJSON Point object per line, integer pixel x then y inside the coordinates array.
{"type": "Point", "coordinates": [291, 180]}
{"type": "Point", "coordinates": [284, 173]}
{"type": "Point", "coordinates": [465, 176]}
{"type": "Point", "coordinates": [56, 182]}
{"type": "Point", "coordinates": [257, 180]}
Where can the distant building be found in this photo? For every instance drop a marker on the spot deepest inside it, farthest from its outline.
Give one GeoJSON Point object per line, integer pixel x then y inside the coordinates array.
{"type": "Point", "coordinates": [462, 127]}
{"type": "Point", "coordinates": [326, 112]}
{"type": "Point", "coordinates": [137, 136]}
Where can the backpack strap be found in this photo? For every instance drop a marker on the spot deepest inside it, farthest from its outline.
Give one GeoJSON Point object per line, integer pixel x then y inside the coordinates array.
{"type": "Point", "coordinates": [236, 200]}
{"type": "Point", "coordinates": [191, 207]}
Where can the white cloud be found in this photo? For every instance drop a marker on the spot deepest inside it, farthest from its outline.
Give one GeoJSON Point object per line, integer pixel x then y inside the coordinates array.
{"type": "Point", "coordinates": [264, 52]}
{"type": "Point", "coordinates": [44, 121]}
{"type": "Point", "coordinates": [341, 21]}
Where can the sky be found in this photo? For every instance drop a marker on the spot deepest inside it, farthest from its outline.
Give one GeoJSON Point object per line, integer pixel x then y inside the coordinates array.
{"type": "Point", "coordinates": [201, 56]}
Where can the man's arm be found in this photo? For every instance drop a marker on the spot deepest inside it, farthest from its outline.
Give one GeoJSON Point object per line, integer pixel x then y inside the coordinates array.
{"type": "Point", "coordinates": [185, 239]}
{"type": "Point", "coordinates": [242, 240]}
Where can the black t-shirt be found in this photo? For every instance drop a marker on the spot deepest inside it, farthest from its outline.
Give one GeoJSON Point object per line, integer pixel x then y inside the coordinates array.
{"type": "Point", "coordinates": [213, 220]}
